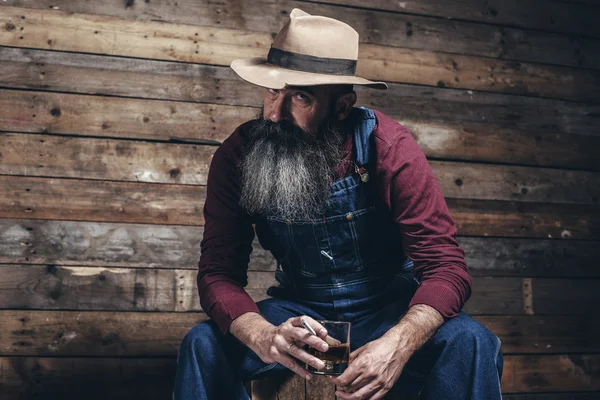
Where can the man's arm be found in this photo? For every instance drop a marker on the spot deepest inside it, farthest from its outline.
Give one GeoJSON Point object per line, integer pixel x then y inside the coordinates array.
{"type": "Point", "coordinates": [428, 232]}
{"type": "Point", "coordinates": [227, 241]}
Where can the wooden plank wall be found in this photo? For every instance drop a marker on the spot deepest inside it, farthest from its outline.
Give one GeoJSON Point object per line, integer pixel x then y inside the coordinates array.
{"type": "Point", "coordinates": [110, 112]}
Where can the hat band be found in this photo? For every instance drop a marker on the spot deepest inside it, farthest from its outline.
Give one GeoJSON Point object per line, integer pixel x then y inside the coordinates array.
{"type": "Point", "coordinates": [306, 63]}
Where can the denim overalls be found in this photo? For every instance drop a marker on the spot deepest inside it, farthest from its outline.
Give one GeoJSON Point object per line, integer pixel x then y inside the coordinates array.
{"type": "Point", "coordinates": [343, 262]}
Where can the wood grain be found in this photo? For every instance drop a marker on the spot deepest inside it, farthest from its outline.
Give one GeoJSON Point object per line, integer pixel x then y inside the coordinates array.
{"type": "Point", "coordinates": [106, 333]}
{"type": "Point", "coordinates": [88, 200]}
{"type": "Point", "coordinates": [109, 116]}
{"type": "Point", "coordinates": [259, 20]}
{"type": "Point", "coordinates": [555, 16]}
{"type": "Point", "coordinates": [55, 287]}
{"type": "Point", "coordinates": [88, 73]}
{"type": "Point", "coordinates": [121, 160]}
{"type": "Point", "coordinates": [444, 125]}
{"type": "Point", "coordinates": [30, 241]}
{"type": "Point", "coordinates": [116, 117]}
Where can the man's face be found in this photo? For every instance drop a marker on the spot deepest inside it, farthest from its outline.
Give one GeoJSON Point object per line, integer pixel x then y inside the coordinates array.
{"type": "Point", "coordinates": [291, 154]}
{"type": "Point", "coordinates": [305, 107]}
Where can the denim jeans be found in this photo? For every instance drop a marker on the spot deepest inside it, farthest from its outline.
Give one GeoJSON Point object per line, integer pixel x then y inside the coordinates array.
{"type": "Point", "coordinates": [462, 360]}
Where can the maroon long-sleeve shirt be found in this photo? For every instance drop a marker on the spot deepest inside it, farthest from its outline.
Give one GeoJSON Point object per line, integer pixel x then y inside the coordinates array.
{"type": "Point", "coordinates": [404, 182]}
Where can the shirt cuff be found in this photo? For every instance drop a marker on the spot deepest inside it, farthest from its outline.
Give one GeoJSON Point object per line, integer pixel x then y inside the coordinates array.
{"type": "Point", "coordinates": [229, 305]}
{"type": "Point", "coordinates": [441, 297]}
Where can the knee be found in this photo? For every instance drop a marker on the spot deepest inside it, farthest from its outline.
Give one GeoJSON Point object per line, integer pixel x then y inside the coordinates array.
{"type": "Point", "coordinates": [200, 339]}
{"type": "Point", "coordinates": [469, 336]}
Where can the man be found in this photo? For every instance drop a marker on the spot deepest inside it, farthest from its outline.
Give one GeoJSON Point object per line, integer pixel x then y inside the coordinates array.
{"type": "Point", "coordinates": [346, 202]}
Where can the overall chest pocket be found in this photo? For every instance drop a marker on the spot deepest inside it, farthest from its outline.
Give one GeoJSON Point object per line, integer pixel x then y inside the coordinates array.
{"type": "Point", "coordinates": [352, 240]}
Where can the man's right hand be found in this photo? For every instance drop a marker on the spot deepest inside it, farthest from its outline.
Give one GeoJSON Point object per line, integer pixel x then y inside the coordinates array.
{"type": "Point", "coordinates": [283, 343]}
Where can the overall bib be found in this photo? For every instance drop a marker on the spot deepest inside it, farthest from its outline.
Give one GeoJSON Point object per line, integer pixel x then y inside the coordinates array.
{"type": "Point", "coordinates": [347, 262]}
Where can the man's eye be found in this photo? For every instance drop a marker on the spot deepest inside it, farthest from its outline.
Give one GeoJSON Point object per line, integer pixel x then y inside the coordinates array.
{"type": "Point", "coordinates": [301, 97]}
{"type": "Point", "coordinates": [273, 91]}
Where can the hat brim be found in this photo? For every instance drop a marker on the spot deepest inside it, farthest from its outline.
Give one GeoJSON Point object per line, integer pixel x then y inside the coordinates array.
{"type": "Point", "coordinates": [258, 72]}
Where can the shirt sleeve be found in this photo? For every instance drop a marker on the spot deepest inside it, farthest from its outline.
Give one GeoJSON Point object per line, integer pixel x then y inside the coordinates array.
{"type": "Point", "coordinates": [428, 230]}
{"type": "Point", "coordinates": [226, 243]}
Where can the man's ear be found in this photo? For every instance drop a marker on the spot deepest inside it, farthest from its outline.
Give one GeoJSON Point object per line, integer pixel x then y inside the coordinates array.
{"type": "Point", "coordinates": [344, 104]}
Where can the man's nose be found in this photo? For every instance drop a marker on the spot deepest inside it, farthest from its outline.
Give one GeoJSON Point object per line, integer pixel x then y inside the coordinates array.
{"type": "Point", "coordinates": [278, 111]}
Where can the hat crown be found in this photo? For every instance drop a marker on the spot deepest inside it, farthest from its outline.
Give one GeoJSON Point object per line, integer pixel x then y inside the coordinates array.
{"type": "Point", "coordinates": [317, 36]}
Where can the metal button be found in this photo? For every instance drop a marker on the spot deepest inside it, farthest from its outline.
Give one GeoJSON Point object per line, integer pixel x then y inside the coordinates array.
{"type": "Point", "coordinates": [288, 221]}
{"type": "Point", "coordinates": [349, 217]}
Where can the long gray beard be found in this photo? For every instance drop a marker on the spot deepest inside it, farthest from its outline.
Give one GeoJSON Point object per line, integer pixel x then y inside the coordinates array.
{"type": "Point", "coordinates": [286, 172]}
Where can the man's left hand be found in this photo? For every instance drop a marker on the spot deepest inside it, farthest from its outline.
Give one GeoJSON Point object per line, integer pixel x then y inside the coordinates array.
{"type": "Point", "coordinates": [373, 370]}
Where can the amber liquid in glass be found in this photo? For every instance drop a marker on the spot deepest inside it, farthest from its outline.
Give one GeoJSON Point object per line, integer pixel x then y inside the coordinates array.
{"type": "Point", "coordinates": [335, 359]}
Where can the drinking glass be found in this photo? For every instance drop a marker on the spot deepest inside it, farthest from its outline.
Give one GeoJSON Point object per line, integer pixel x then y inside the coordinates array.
{"type": "Point", "coordinates": [336, 358]}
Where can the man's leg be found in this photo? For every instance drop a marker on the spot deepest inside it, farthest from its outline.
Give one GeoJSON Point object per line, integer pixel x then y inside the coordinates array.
{"type": "Point", "coordinates": [462, 361]}
{"type": "Point", "coordinates": [211, 365]}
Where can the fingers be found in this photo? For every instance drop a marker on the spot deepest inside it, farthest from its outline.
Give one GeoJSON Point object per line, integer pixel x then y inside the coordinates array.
{"type": "Point", "coordinates": [349, 375]}
{"type": "Point", "coordinates": [317, 327]}
{"type": "Point", "coordinates": [292, 365]}
{"type": "Point", "coordinates": [297, 352]}
{"type": "Point", "coordinates": [374, 390]}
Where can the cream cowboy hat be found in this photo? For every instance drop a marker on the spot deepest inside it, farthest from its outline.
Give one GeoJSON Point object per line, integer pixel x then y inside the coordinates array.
{"type": "Point", "coordinates": [309, 50]}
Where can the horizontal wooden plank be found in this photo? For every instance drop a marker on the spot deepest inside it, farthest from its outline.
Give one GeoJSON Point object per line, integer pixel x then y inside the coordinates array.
{"type": "Point", "coordinates": [555, 16]}
{"type": "Point", "coordinates": [78, 114]}
{"type": "Point", "coordinates": [104, 159]}
{"type": "Point", "coordinates": [521, 374]}
{"type": "Point", "coordinates": [531, 257]}
{"type": "Point", "coordinates": [73, 199]}
{"type": "Point", "coordinates": [26, 241]}
{"type": "Point", "coordinates": [30, 241]}
{"type": "Point", "coordinates": [90, 378]}
{"type": "Point", "coordinates": [580, 296]}
{"type": "Point", "coordinates": [501, 218]}
{"type": "Point", "coordinates": [88, 200]}
{"type": "Point", "coordinates": [87, 73]}
{"type": "Point", "coordinates": [551, 373]}
{"type": "Point", "coordinates": [95, 288]}
{"type": "Point", "coordinates": [120, 160]}
{"type": "Point", "coordinates": [258, 20]}
{"type": "Point", "coordinates": [116, 117]}
{"type": "Point", "coordinates": [494, 182]}
{"type": "Point", "coordinates": [101, 333]}
{"type": "Point", "coordinates": [553, 396]}
{"type": "Point", "coordinates": [458, 134]}
{"type": "Point", "coordinates": [125, 289]}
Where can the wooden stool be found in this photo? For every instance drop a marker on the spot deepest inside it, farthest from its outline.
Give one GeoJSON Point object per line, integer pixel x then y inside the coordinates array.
{"type": "Point", "coordinates": [289, 386]}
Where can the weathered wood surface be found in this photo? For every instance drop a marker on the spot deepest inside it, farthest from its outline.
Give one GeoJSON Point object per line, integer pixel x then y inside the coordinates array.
{"type": "Point", "coordinates": [88, 200]}
{"type": "Point", "coordinates": [121, 160]}
{"type": "Point", "coordinates": [554, 16]}
{"type": "Point", "coordinates": [374, 27]}
{"type": "Point", "coordinates": [568, 297]}
{"type": "Point", "coordinates": [135, 118]}
{"type": "Point", "coordinates": [131, 334]}
{"type": "Point", "coordinates": [551, 373]}
{"type": "Point", "coordinates": [67, 376]}
{"type": "Point", "coordinates": [552, 142]}
{"type": "Point", "coordinates": [56, 287]}
{"type": "Point", "coordinates": [30, 241]}
{"type": "Point", "coordinates": [87, 378]}
{"type": "Point", "coordinates": [41, 69]}
{"type": "Point", "coordinates": [118, 117]}
{"type": "Point", "coordinates": [542, 373]}
{"type": "Point", "coordinates": [501, 218]}
{"type": "Point", "coordinates": [552, 396]}
{"type": "Point", "coordinates": [152, 378]}
{"type": "Point", "coordinates": [26, 241]}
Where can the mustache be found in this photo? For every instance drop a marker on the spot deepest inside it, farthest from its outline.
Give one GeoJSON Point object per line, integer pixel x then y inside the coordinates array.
{"type": "Point", "coordinates": [286, 171]}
